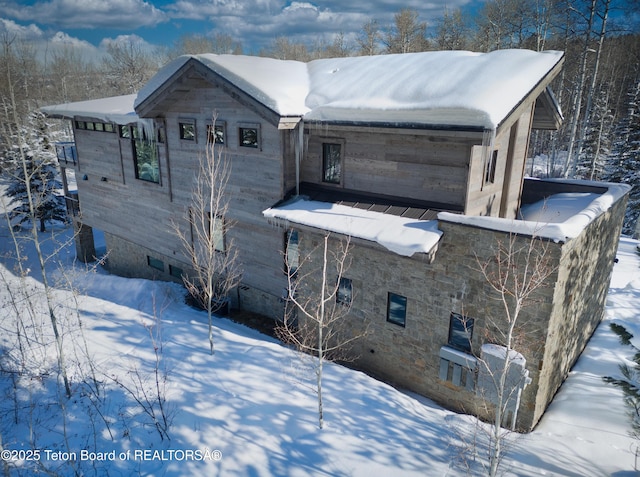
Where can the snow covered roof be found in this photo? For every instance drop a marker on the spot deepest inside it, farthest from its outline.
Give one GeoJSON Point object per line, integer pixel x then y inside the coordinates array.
{"type": "Point", "coordinates": [116, 109]}
{"type": "Point", "coordinates": [400, 235]}
{"type": "Point", "coordinates": [560, 217]}
{"type": "Point", "coordinates": [445, 88]}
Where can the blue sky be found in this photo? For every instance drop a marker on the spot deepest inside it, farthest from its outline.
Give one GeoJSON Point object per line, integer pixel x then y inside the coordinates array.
{"type": "Point", "coordinates": [91, 24]}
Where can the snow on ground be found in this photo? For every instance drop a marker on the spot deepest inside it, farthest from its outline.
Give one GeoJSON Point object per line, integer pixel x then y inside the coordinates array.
{"type": "Point", "coordinates": [253, 399]}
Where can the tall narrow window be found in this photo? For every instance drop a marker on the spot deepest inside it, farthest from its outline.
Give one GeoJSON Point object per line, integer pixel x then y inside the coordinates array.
{"type": "Point", "coordinates": [345, 291]}
{"type": "Point", "coordinates": [145, 156]}
{"type": "Point", "coordinates": [397, 309]}
{"type": "Point", "coordinates": [331, 163]}
{"type": "Point", "coordinates": [460, 332]}
{"type": "Point", "coordinates": [292, 254]}
{"type": "Point", "coordinates": [217, 230]}
{"type": "Point", "coordinates": [490, 168]}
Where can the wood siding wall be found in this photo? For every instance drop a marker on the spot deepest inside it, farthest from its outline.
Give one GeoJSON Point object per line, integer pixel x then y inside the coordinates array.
{"type": "Point", "coordinates": [422, 165]}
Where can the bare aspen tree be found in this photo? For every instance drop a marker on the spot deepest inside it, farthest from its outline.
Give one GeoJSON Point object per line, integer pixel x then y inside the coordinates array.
{"type": "Point", "coordinates": [213, 256]}
{"type": "Point", "coordinates": [315, 321]}
{"type": "Point", "coordinates": [369, 38]}
{"type": "Point", "coordinates": [515, 273]}
{"type": "Point", "coordinates": [28, 176]}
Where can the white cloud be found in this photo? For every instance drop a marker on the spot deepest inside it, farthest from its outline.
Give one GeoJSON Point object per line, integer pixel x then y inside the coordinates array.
{"type": "Point", "coordinates": [87, 13]}
{"type": "Point", "coordinates": [29, 32]}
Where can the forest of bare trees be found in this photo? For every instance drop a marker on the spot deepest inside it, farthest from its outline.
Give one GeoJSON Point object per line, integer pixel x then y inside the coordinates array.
{"type": "Point", "coordinates": [598, 89]}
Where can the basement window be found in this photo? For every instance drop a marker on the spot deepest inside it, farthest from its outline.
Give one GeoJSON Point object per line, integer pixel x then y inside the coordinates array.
{"type": "Point", "coordinates": [155, 263]}
{"type": "Point", "coordinates": [397, 309]}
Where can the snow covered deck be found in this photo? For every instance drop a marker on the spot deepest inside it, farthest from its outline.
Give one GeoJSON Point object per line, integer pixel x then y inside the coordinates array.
{"type": "Point", "coordinates": [560, 217]}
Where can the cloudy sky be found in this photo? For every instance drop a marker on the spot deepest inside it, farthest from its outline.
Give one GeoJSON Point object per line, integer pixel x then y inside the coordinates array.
{"type": "Point", "coordinates": [91, 24]}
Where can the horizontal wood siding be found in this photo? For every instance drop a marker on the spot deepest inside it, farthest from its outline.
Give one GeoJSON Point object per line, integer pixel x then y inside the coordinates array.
{"type": "Point", "coordinates": [143, 212]}
{"type": "Point", "coordinates": [420, 165]}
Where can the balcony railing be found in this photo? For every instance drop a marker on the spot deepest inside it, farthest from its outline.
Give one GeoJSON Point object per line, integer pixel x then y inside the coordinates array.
{"type": "Point", "coordinates": [66, 152]}
{"type": "Point", "coordinates": [73, 204]}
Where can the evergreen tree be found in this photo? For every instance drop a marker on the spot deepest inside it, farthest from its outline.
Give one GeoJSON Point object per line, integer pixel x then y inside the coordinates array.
{"type": "Point", "coordinates": [624, 163]}
{"type": "Point", "coordinates": [35, 175]}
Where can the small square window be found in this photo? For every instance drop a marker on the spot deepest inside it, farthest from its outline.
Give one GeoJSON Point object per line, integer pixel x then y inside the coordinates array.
{"type": "Point", "coordinates": [155, 263]}
{"type": "Point", "coordinates": [460, 332]}
{"type": "Point", "coordinates": [248, 137]}
{"type": "Point", "coordinates": [331, 163]}
{"type": "Point", "coordinates": [187, 131]}
{"type": "Point", "coordinates": [344, 294]}
{"type": "Point", "coordinates": [397, 309]}
{"type": "Point", "coordinates": [81, 125]}
{"type": "Point", "coordinates": [99, 126]}
{"type": "Point", "coordinates": [124, 131]}
{"type": "Point", "coordinates": [109, 127]}
{"type": "Point", "coordinates": [90, 126]}
{"type": "Point", "coordinates": [215, 133]}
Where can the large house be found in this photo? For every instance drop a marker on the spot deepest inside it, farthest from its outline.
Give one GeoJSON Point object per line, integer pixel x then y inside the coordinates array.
{"type": "Point", "coordinates": [419, 158]}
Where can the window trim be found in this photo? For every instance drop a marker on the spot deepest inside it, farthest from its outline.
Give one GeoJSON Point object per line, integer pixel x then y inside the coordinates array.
{"type": "Point", "coordinates": [402, 298]}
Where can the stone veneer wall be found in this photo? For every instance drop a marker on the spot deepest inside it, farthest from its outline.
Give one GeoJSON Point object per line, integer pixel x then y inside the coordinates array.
{"type": "Point", "coordinates": [584, 277]}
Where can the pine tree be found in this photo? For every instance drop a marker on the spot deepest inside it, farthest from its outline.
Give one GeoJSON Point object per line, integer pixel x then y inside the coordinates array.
{"type": "Point", "coordinates": [624, 163]}
{"type": "Point", "coordinates": [39, 173]}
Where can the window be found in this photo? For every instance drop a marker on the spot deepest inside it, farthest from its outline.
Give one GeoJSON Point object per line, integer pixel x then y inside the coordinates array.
{"type": "Point", "coordinates": [176, 272]}
{"type": "Point", "coordinates": [345, 291]}
{"type": "Point", "coordinates": [331, 163]}
{"type": "Point", "coordinates": [396, 309]}
{"type": "Point", "coordinates": [490, 168]}
{"type": "Point", "coordinates": [81, 125]}
{"type": "Point", "coordinates": [187, 130]}
{"type": "Point", "coordinates": [215, 133]}
{"type": "Point", "coordinates": [460, 332]}
{"type": "Point", "coordinates": [98, 126]}
{"type": "Point", "coordinates": [292, 254]}
{"type": "Point", "coordinates": [216, 229]}
{"type": "Point", "coordinates": [109, 127]}
{"type": "Point", "coordinates": [155, 263]}
{"type": "Point", "coordinates": [90, 125]}
{"type": "Point", "coordinates": [124, 131]}
{"type": "Point", "coordinates": [145, 156]}
{"type": "Point", "coordinates": [248, 136]}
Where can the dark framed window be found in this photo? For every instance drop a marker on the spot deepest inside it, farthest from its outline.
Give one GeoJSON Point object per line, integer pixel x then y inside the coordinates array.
{"type": "Point", "coordinates": [124, 131]}
{"type": "Point", "coordinates": [345, 291]}
{"type": "Point", "coordinates": [81, 125]}
{"type": "Point", "coordinates": [90, 125]}
{"type": "Point", "coordinates": [397, 309]}
{"type": "Point", "coordinates": [176, 272]}
{"type": "Point", "coordinates": [331, 163]}
{"type": "Point", "coordinates": [145, 156]}
{"type": "Point", "coordinates": [248, 136]}
{"type": "Point", "coordinates": [155, 263]}
{"type": "Point", "coordinates": [215, 133]}
{"type": "Point", "coordinates": [187, 130]}
{"type": "Point", "coordinates": [292, 253]}
{"type": "Point", "coordinates": [98, 126]}
{"type": "Point", "coordinates": [460, 332]}
{"type": "Point", "coordinates": [490, 168]}
{"type": "Point", "coordinates": [109, 127]}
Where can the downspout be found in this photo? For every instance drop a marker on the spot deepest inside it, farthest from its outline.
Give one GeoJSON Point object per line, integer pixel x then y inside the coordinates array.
{"type": "Point", "coordinates": [299, 152]}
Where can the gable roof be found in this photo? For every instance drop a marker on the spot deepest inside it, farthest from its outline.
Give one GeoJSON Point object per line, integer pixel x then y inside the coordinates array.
{"type": "Point", "coordinates": [442, 88]}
